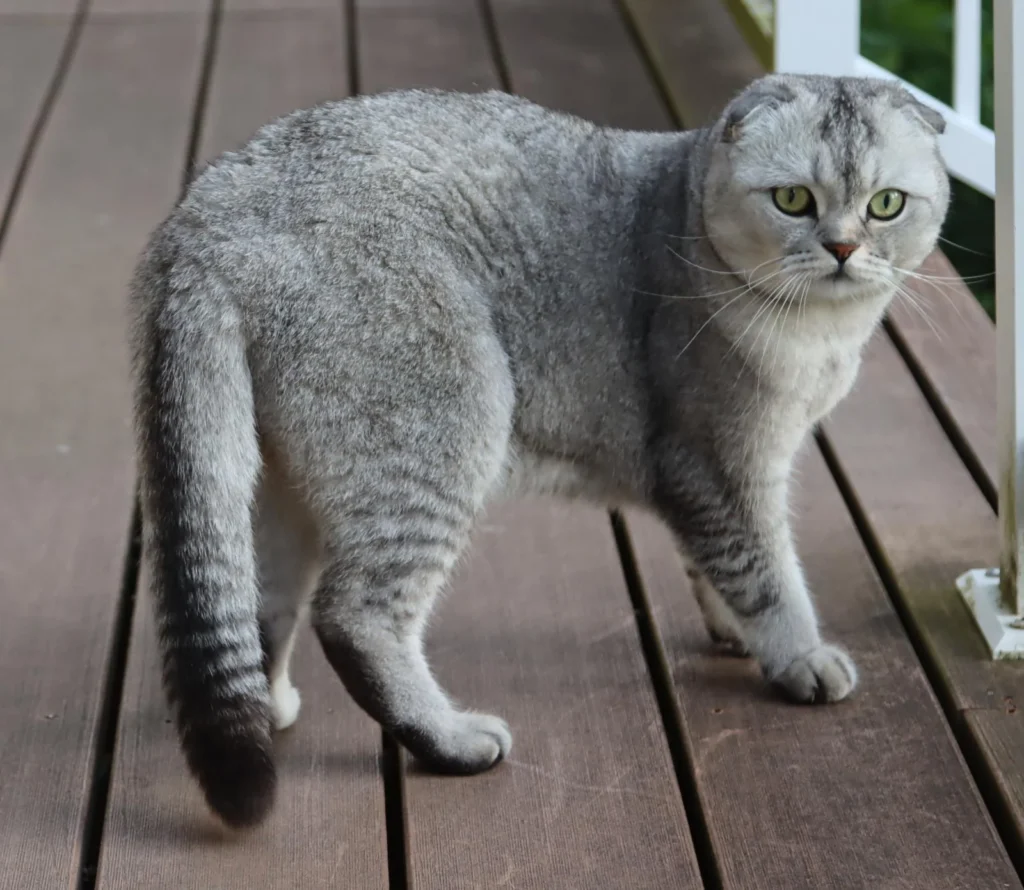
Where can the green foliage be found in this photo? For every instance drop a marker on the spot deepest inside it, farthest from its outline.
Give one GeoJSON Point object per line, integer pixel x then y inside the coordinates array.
{"type": "Point", "coordinates": [914, 39]}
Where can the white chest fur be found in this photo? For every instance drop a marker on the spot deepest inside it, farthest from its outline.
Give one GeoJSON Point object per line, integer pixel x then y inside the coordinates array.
{"type": "Point", "coordinates": [803, 369]}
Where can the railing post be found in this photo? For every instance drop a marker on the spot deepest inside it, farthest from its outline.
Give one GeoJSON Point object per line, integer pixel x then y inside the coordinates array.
{"type": "Point", "coordinates": [817, 36]}
{"type": "Point", "coordinates": [994, 595]}
{"type": "Point", "coordinates": [967, 59]}
{"type": "Point", "coordinates": [1009, 127]}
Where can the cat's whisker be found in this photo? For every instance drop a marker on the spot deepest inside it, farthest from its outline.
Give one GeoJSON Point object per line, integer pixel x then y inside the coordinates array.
{"type": "Point", "coordinates": [711, 296]}
{"type": "Point", "coordinates": [707, 237]}
{"type": "Point", "coordinates": [764, 307]}
{"type": "Point", "coordinates": [803, 298]}
{"type": "Point", "coordinates": [749, 289]}
{"type": "Point", "coordinates": [722, 293]}
{"type": "Point", "coordinates": [924, 276]}
{"type": "Point", "coordinates": [714, 314]}
{"type": "Point", "coordinates": [650, 293]}
{"type": "Point", "coordinates": [744, 273]}
{"type": "Point", "coordinates": [917, 307]}
{"type": "Point", "coordinates": [799, 278]}
{"type": "Point", "coordinates": [941, 289]}
{"type": "Point", "coordinates": [690, 262]}
{"type": "Point", "coordinates": [765, 313]}
{"type": "Point", "coordinates": [964, 247]}
{"type": "Point", "coordinates": [784, 304]}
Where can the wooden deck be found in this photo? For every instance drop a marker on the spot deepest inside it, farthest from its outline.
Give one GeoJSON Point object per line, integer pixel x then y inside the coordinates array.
{"type": "Point", "coordinates": [641, 759]}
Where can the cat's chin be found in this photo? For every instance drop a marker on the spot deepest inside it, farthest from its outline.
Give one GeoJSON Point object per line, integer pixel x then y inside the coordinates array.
{"type": "Point", "coordinates": [846, 287]}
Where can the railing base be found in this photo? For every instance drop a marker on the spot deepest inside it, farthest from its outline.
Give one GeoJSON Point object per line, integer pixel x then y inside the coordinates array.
{"type": "Point", "coordinates": [1002, 630]}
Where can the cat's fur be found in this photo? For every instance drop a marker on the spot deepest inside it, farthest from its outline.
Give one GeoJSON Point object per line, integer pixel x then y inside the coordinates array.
{"type": "Point", "coordinates": [381, 314]}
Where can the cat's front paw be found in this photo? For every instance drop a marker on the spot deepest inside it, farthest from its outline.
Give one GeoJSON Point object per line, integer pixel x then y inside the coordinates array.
{"type": "Point", "coordinates": [825, 674]}
{"type": "Point", "coordinates": [466, 743]}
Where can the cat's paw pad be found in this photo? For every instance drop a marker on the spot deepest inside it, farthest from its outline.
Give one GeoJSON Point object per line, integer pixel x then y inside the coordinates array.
{"type": "Point", "coordinates": [468, 743]}
{"type": "Point", "coordinates": [825, 674]}
{"type": "Point", "coordinates": [284, 704]}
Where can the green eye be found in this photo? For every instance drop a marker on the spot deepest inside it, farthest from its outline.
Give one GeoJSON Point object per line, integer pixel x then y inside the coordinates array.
{"type": "Point", "coordinates": [796, 200]}
{"type": "Point", "coordinates": [887, 204]}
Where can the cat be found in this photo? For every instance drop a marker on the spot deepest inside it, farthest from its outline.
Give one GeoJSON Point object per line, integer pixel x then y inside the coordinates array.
{"type": "Point", "coordinates": [383, 313]}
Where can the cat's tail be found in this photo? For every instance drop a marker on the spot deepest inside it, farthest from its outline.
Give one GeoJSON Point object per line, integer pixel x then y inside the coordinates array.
{"type": "Point", "coordinates": [199, 461]}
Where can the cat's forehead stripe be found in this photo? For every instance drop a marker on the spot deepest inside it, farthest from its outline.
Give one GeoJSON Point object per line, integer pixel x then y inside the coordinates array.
{"type": "Point", "coordinates": [846, 132]}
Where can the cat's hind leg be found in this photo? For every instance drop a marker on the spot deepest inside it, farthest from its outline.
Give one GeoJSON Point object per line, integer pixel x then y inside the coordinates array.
{"type": "Point", "coordinates": [371, 629]}
{"type": "Point", "coordinates": [396, 491]}
{"type": "Point", "coordinates": [390, 553]}
{"type": "Point", "coordinates": [719, 619]}
{"type": "Point", "coordinates": [288, 553]}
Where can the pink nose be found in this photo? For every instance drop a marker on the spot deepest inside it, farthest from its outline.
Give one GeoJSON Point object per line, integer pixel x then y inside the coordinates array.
{"type": "Point", "coordinates": [841, 251]}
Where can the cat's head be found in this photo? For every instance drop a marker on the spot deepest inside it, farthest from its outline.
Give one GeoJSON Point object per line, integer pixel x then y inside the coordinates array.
{"type": "Point", "coordinates": [832, 185]}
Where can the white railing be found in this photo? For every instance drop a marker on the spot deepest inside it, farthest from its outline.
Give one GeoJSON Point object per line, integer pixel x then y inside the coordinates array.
{"type": "Point", "coordinates": [823, 36]}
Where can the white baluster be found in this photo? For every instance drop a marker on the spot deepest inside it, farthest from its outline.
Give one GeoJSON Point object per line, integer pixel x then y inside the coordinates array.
{"type": "Point", "coordinates": [967, 59]}
{"type": "Point", "coordinates": [817, 36]}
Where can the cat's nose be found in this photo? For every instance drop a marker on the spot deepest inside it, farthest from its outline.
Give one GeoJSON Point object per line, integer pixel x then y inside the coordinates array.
{"type": "Point", "coordinates": [840, 250]}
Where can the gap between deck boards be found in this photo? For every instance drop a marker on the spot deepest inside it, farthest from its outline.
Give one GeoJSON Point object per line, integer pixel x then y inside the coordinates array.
{"type": "Point", "coordinates": [117, 660]}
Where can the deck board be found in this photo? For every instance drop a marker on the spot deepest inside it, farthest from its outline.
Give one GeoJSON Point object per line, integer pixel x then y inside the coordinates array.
{"type": "Point", "coordinates": [329, 818]}
{"type": "Point", "coordinates": [107, 164]}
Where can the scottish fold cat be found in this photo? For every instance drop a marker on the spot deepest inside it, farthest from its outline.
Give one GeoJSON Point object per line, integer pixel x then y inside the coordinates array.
{"type": "Point", "coordinates": [382, 314]}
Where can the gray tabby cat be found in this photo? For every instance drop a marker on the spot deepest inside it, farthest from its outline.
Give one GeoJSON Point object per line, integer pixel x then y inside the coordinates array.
{"type": "Point", "coordinates": [382, 314]}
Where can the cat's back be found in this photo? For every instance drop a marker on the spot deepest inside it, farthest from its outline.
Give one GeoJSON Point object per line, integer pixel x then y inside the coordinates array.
{"type": "Point", "coordinates": [361, 157]}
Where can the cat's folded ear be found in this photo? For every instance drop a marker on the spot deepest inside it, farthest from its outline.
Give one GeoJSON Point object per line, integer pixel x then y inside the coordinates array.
{"type": "Point", "coordinates": [765, 93]}
{"type": "Point", "coordinates": [924, 113]}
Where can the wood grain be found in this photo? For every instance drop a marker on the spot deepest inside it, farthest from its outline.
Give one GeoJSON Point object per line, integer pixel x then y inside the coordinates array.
{"type": "Point", "coordinates": [328, 824]}
{"type": "Point", "coordinates": [107, 166]}
{"type": "Point", "coordinates": [841, 796]}
{"type": "Point", "coordinates": [539, 628]}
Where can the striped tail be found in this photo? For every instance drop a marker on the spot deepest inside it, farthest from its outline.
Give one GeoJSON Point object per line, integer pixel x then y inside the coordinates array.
{"type": "Point", "coordinates": [199, 462]}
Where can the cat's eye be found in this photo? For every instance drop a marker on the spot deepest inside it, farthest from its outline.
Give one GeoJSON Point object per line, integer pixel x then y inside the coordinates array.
{"type": "Point", "coordinates": [796, 200]}
{"type": "Point", "coordinates": [887, 204]}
